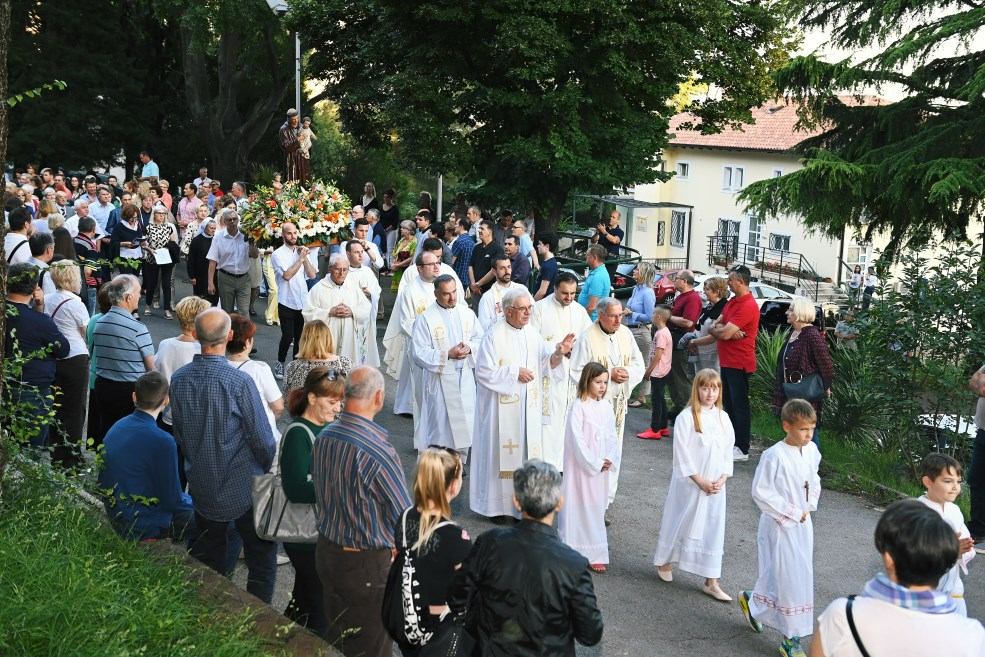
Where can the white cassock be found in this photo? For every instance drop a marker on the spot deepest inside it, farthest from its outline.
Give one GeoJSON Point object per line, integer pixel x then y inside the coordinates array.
{"type": "Point", "coordinates": [509, 415]}
{"type": "Point", "coordinates": [411, 274]}
{"type": "Point", "coordinates": [692, 529]}
{"type": "Point", "coordinates": [365, 279]}
{"type": "Point", "coordinates": [412, 300]}
{"type": "Point", "coordinates": [951, 582]}
{"type": "Point", "coordinates": [555, 321]}
{"type": "Point", "coordinates": [345, 330]}
{"type": "Point", "coordinates": [589, 438]}
{"type": "Point", "coordinates": [785, 485]}
{"type": "Point", "coordinates": [491, 304]}
{"type": "Point", "coordinates": [445, 390]}
{"type": "Point", "coordinates": [616, 350]}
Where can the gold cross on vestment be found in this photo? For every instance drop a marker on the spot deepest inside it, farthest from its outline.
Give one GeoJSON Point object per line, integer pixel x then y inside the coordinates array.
{"type": "Point", "coordinates": [510, 446]}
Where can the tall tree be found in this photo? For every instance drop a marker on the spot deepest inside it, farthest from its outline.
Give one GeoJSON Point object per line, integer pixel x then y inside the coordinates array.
{"type": "Point", "coordinates": [528, 101]}
{"type": "Point", "coordinates": [913, 168]}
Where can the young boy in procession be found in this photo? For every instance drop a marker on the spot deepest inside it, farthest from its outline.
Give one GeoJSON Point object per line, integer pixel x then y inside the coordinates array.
{"type": "Point", "coordinates": [941, 478]}
{"type": "Point", "coordinates": [692, 530]}
{"type": "Point", "coordinates": [590, 453]}
{"type": "Point", "coordinates": [658, 371]}
{"type": "Point", "coordinates": [786, 488]}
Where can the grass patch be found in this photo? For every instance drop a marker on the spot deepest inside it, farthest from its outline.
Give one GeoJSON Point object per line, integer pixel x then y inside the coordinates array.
{"type": "Point", "coordinates": [70, 586]}
{"type": "Point", "coordinates": [880, 476]}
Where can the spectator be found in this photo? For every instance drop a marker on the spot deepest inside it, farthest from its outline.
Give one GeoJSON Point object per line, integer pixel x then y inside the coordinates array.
{"type": "Point", "coordinates": [847, 332]}
{"type": "Point", "coordinates": [403, 253]}
{"type": "Point", "coordinates": [238, 353]}
{"type": "Point", "coordinates": [140, 462]}
{"type": "Point", "coordinates": [369, 197]}
{"type": "Point", "coordinates": [203, 177]}
{"type": "Point", "coordinates": [360, 492]}
{"type": "Point", "coordinates": [316, 349]}
{"type": "Point", "coordinates": [976, 471]}
{"type": "Point", "coordinates": [423, 223]}
{"type": "Point", "coordinates": [161, 235]}
{"type": "Point", "coordinates": [684, 314]}
{"type": "Point", "coordinates": [32, 331]}
{"type": "Point", "coordinates": [546, 278]}
{"type": "Point", "coordinates": [189, 205]}
{"type": "Point", "coordinates": [64, 245]}
{"type": "Point", "coordinates": [312, 407]}
{"type": "Point", "coordinates": [437, 232]}
{"type": "Point", "coordinates": [166, 198]}
{"type": "Point", "coordinates": [899, 612]}
{"type": "Point", "coordinates": [703, 343]}
{"type": "Point", "coordinates": [514, 613]}
{"type": "Point", "coordinates": [45, 213]}
{"type": "Point", "coordinates": [869, 286]}
{"type": "Point", "coordinates": [855, 286]}
{"type": "Point", "coordinates": [114, 217]}
{"type": "Point", "coordinates": [224, 434]}
{"type": "Point", "coordinates": [71, 317]}
{"type": "Point", "coordinates": [390, 219]}
{"type": "Point", "coordinates": [201, 277]}
{"type": "Point", "coordinates": [149, 168]}
{"type": "Point", "coordinates": [87, 251]}
{"type": "Point", "coordinates": [229, 263]}
{"type": "Point", "coordinates": [101, 209]}
{"type": "Point", "coordinates": [736, 330]}
{"type": "Point", "coordinates": [512, 248]}
{"type": "Point", "coordinates": [597, 285]}
{"type": "Point", "coordinates": [42, 247]}
{"type": "Point", "coordinates": [526, 245]}
{"type": "Point", "coordinates": [15, 245]}
{"type": "Point", "coordinates": [461, 251]}
{"type": "Point", "coordinates": [804, 353]}
{"type": "Point", "coordinates": [102, 306]}
{"type": "Point", "coordinates": [126, 239]}
{"type": "Point", "coordinates": [636, 315]}
{"type": "Point", "coordinates": [485, 253]}
{"type": "Point", "coordinates": [123, 350]}
{"type": "Point", "coordinates": [503, 227]}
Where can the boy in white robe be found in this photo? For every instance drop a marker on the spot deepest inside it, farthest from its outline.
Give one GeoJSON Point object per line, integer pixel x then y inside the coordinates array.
{"type": "Point", "coordinates": [692, 530]}
{"type": "Point", "coordinates": [589, 457]}
{"type": "Point", "coordinates": [941, 477]}
{"type": "Point", "coordinates": [786, 489]}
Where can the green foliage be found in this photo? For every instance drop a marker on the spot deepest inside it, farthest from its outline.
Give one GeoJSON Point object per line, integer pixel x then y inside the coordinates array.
{"type": "Point", "coordinates": [536, 100]}
{"type": "Point", "coordinates": [914, 169]}
{"type": "Point", "coordinates": [70, 586]}
{"type": "Point", "coordinates": [54, 85]}
{"type": "Point", "coordinates": [763, 381]}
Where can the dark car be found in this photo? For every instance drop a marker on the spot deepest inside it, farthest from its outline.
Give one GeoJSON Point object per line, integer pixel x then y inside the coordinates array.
{"type": "Point", "coordinates": [572, 248]}
{"type": "Point", "coordinates": [773, 315]}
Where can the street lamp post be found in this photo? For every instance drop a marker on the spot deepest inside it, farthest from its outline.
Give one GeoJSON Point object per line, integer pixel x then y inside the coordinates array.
{"type": "Point", "coordinates": [281, 7]}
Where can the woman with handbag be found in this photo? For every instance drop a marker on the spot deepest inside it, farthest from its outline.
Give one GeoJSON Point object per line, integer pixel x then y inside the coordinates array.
{"type": "Point", "coordinates": [161, 247]}
{"type": "Point", "coordinates": [311, 406]}
{"type": "Point", "coordinates": [435, 545]}
{"type": "Point", "coordinates": [804, 369]}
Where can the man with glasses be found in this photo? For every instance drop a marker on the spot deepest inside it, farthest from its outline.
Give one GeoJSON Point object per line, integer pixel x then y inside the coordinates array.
{"type": "Point", "coordinates": [230, 255]}
{"type": "Point", "coordinates": [526, 244]}
{"type": "Point", "coordinates": [511, 364]}
{"type": "Point", "coordinates": [343, 306]}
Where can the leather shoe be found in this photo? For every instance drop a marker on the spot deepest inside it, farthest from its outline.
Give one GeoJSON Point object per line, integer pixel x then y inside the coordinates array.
{"type": "Point", "coordinates": [716, 592]}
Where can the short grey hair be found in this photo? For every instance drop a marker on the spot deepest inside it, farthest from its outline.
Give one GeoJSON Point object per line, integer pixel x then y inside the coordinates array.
{"type": "Point", "coordinates": [80, 202]}
{"type": "Point", "coordinates": [803, 310]}
{"type": "Point", "coordinates": [442, 279]}
{"type": "Point", "coordinates": [513, 295]}
{"type": "Point", "coordinates": [373, 212]}
{"type": "Point", "coordinates": [537, 487]}
{"type": "Point", "coordinates": [367, 382]}
{"type": "Point", "coordinates": [218, 334]}
{"type": "Point", "coordinates": [118, 288]}
{"type": "Point", "coordinates": [604, 304]}
{"type": "Point", "coordinates": [685, 275]}
{"type": "Point", "coordinates": [225, 213]}
{"type": "Point", "coordinates": [408, 224]}
{"type": "Point", "coordinates": [336, 258]}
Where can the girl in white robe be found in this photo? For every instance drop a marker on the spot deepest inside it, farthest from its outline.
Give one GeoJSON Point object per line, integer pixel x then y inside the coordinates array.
{"type": "Point", "coordinates": [692, 530]}
{"type": "Point", "coordinates": [590, 451]}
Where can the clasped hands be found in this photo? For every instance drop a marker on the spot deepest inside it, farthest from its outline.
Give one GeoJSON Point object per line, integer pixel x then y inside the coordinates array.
{"type": "Point", "coordinates": [710, 487]}
{"type": "Point", "coordinates": [340, 310]}
{"type": "Point", "coordinates": [459, 351]}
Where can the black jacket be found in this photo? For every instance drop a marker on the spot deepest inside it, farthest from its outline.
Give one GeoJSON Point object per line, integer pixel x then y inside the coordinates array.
{"type": "Point", "coordinates": [533, 595]}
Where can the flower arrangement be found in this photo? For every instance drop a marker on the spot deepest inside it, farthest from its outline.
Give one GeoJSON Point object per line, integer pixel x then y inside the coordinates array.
{"type": "Point", "coordinates": [321, 213]}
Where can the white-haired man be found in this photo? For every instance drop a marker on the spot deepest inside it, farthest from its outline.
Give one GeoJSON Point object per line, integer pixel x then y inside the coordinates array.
{"type": "Point", "coordinates": [612, 344]}
{"type": "Point", "coordinates": [342, 306]}
{"type": "Point", "coordinates": [511, 364]}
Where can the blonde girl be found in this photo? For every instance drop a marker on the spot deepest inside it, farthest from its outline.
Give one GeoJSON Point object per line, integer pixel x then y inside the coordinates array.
{"type": "Point", "coordinates": [692, 530]}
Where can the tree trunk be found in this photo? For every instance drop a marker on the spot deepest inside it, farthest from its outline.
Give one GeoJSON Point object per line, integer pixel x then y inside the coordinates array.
{"type": "Point", "coordinates": [4, 44]}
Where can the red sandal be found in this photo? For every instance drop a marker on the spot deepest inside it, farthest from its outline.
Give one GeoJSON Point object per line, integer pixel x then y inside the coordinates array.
{"type": "Point", "coordinates": [599, 568]}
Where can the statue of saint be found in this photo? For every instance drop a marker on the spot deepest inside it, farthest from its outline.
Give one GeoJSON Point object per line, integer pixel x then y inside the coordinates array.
{"type": "Point", "coordinates": [297, 167]}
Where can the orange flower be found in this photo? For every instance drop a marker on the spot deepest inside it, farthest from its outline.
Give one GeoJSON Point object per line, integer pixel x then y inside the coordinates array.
{"type": "Point", "coordinates": [271, 203]}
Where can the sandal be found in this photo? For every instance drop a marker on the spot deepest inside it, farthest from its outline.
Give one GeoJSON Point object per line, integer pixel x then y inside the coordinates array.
{"type": "Point", "coordinates": [599, 568]}
{"type": "Point", "coordinates": [635, 404]}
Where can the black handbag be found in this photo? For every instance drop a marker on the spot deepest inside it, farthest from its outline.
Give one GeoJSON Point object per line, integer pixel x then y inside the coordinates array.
{"type": "Point", "coordinates": [809, 388]}
{"type": "Point", "coordinates": [451, 639]}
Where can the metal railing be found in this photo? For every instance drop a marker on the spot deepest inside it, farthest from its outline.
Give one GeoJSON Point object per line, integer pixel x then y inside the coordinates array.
{"type": "Point", "coordinates": [777, 265]}
{"type": "Point", "coordinates": [666, 264]}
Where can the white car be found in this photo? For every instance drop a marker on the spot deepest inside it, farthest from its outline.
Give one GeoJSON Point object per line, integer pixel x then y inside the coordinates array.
{"type": "Point", "coordinates": [762, 293]}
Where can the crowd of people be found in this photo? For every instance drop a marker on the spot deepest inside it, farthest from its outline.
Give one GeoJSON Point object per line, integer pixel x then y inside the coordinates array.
{"type": "Point", "coordinates": [505, 366]}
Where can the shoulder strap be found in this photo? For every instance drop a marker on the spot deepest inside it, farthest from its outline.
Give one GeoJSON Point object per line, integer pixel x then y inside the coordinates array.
{"type": "Point", "coordinates": [403, 528]}
{"type": "Point", "coordinates": [16, 248]}
{"type": "Point", "coordinates": [59, 307]}
{"type": "Point", "coordinates": [304, 426]}
{"type": "Point", "coordinates": [851, 626]}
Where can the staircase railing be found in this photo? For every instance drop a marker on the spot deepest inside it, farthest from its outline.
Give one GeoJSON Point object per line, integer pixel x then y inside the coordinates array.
{"type": "Point", "coordinates": [784, 267]}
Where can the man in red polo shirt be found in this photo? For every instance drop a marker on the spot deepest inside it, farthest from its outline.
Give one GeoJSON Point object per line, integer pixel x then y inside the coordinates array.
{"type": "Point", "coordinates": [683, 318]}
{"type": "Point", "coordinates": [736, 332]}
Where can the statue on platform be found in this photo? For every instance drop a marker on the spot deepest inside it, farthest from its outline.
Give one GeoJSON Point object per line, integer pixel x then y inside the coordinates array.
{"type": "Point", "coordinates": [297, 166]}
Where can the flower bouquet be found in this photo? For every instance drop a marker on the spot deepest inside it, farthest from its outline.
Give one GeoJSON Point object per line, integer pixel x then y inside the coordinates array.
{"type": "Point", "coordinates": [320, 211]}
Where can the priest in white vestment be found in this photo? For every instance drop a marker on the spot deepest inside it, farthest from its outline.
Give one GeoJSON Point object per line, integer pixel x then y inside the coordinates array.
{"type": "Point", "coordinates": [339, 303]}
{"type": "Point", "coordinates": [490, 308]}
{"type": "Point", "coordinates": [433, 245]}
{"type": "Point", "coordinates": [610, 343]}
{"type": "Point", "coordinates": [364, 278]}
{"type": "Point", "coordinates": [412, 300]}
{"type": "Point", "coordinates": [510, 365]}
{"type": "Point", "coordinates": [443, 344]}
{"type": "Point", "coordinates": [554, 316]}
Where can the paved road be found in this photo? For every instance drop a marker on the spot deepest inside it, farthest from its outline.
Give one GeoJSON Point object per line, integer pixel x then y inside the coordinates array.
{"type": "Point", "coordinates": [645, 617]}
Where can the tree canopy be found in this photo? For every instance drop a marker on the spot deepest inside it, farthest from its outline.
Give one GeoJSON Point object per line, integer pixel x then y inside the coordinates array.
{"type": "Point", "coordinates": [914, 168]}
{"type": "Point", "coordinates": [528, 101]}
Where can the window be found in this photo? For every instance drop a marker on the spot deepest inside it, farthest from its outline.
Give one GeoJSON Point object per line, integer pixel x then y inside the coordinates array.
{"type": "Point", "coordinates": [733, 178]}
{"type": "Point", "coordinates": [755, 231]}
{"type": "Point", "coordinates": [683, 169]}
{"type": "Point", "coordinates": [678, 222]}
{"type": "Point", "coordinates": [779, 242]}
{"type": "Point", "coordinates": [728, 238]}
{"type": "Point", "coordinates": [661, 232]}
{"type": "Point", "coordinates": [777, 173]}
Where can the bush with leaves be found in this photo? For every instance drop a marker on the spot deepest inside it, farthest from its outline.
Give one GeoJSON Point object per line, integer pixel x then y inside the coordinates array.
{"type": "Point", "coordinates": [761, 383]}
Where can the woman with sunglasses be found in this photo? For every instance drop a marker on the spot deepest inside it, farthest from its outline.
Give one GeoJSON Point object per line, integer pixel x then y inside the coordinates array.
{"type": "Point", "coordinates": [311, 406]}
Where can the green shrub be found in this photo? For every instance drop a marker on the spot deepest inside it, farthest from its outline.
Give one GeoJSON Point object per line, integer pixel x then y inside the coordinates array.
{"type": "Point", "coordinates": [763, 381]}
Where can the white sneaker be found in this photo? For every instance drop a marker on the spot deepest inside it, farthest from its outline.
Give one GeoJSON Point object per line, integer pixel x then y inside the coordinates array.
{"type": "Point", "coordinates": [737, 455]}
{"type": "Point", "coordinates": [279, 371]}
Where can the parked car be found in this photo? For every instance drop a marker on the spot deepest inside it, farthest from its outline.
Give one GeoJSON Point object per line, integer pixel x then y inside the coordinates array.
{"type": "Point", "coordinates": [572, 248]}
{"type": "Point", "coordinates": [664, 288]}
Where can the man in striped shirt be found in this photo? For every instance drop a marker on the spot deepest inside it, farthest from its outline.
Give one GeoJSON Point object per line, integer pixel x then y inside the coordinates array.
{"type": "Point", "coordinates": [123, 351]}
{"type": "Point", "coordinates": [360, 494]}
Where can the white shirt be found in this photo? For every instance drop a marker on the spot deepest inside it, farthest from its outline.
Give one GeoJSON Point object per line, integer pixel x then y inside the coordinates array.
{"type": "Point", "coordinates": [267, 386]}
{"type": "Point", "coordinates": [173, 354]}
{"type": "Point", "coordinates": [71, 319]}
{"type": "Point", "coordinates": [290, 293]}
{"type": "Point", "coordinates": [198, 182]}
{"type": "Point", "coordinates": [47, 285]}
{"type": "Point", "coordinates": [101, 213]}
{"type": "Point", "coordinates": [13, 241]}
{"type": "Point", "coordinates": [40, 225]}
{"type": "Point", "coordinates": [371, 255]}
{"type": "Point", "coordinates": [230, 253]}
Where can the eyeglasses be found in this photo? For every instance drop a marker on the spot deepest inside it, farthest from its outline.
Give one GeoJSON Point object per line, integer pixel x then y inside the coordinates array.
{"type": "Point", "coordinates": [330, 373]}
{"type": "Point", "coordinates": [522, 309]}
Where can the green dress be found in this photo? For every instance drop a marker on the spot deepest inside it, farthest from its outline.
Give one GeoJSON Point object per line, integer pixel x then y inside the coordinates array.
{"type": "Point", "coordinates": [403, 246]}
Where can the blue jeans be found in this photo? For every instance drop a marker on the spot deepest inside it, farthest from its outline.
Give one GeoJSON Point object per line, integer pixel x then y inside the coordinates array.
{"type": "Point", "coordinates": [211, 547]}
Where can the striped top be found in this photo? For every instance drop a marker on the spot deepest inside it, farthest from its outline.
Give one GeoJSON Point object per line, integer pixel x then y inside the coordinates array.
{"type": "Point", "coordinates": [359, 484]}
{"type": "Point", "coordinates": [119, 344]}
